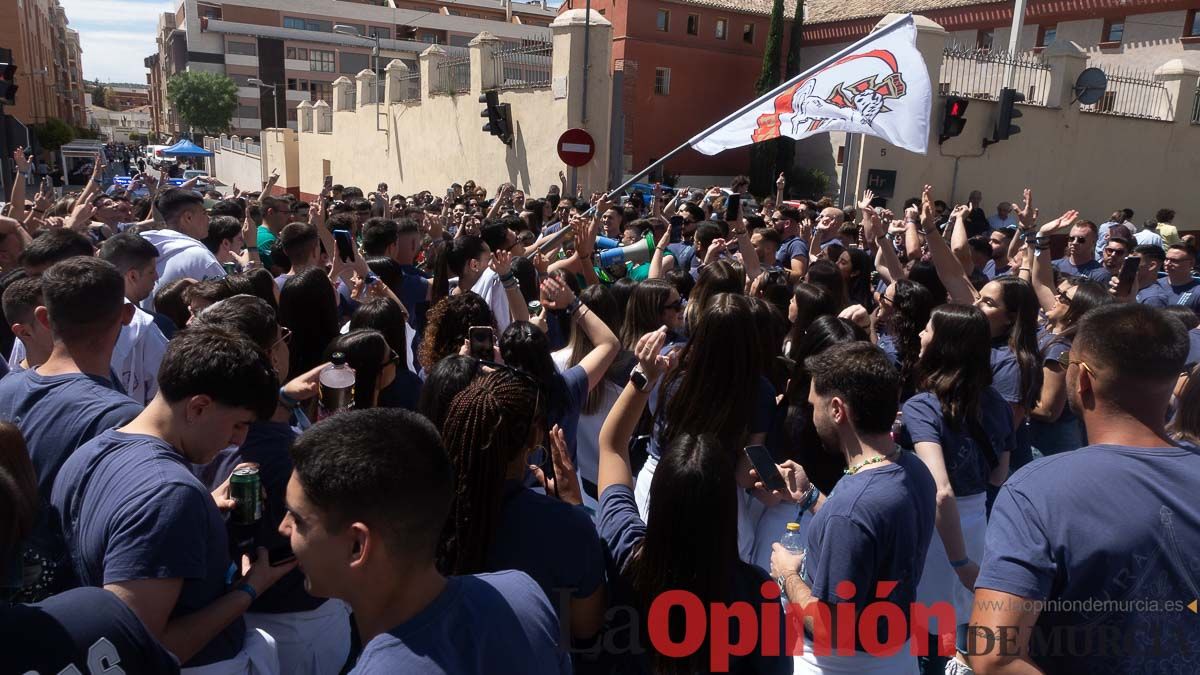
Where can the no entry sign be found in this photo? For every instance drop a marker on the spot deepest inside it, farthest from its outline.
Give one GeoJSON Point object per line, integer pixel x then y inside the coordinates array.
{"type": "Point", "coordinates": [576, 147]}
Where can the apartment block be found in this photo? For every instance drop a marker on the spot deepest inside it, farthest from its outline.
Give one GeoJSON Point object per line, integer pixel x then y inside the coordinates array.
{"type": "Point", "coordinates": [282, 52]}
{"type": "Point", "coordinates": [49, 62]}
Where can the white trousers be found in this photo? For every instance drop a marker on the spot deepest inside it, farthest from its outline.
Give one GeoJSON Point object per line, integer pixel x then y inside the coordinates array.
{"type": "Point", "coordinates": [258, 657]}
{"type": "Point", "coordinates": [315, 642]}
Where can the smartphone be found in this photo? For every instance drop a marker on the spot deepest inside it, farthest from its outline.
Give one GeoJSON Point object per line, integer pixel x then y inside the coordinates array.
{"type": "Point", "coordinates": [1128, 274]}
{"type": "Point", "coordinates": [483, 342]}
{"type": "Point", "coordinates": [328, 182]}
{"type": "Point", "coordinates": [676, 228]}
{"type": "Point", "coordinates": [345, 245]}
{"type": "Point", "coordinates": [764, 465]}
{"type": "Point", "coordinates": [280, 555]}
{"type": "Point", "coordinates": [733, 204]}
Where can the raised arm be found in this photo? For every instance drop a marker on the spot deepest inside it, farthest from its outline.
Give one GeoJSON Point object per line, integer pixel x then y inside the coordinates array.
{"type": "Point", "coordinates": [17, 199]}
{"type": "Point", "coordinates": [1043, 273]}
{"type": "Point", "coordinates": [613, 466]}
{"type": "Point", "coordinates": [780, 184]}
{"type": "Point", "coordinates": [556, 295]}
{"type": "Point", "coordinates": [958, 239]}
{"type": "Point", "coordinates": [958, 286]}
{"type": "Point", "coordinates": [886, 260]}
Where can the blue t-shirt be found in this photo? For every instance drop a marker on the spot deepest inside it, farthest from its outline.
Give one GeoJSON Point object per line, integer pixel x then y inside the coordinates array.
{"type": "Point", "coordinates": [623, 531]}
{"type": "Point", "coordinates": [1187, 294]}
{"type": "Point", "coordinates": [1193, 356]}
{"type": "Point", "coordinates": [131, 509]}
{"type": "Point", "coordinates": [575, 384]}
{"type": "Point", "coordinates": [575, 561]}
{"type": "Point", "coordinates": [485, 623]}
{"type": "Point", "coordinates": [888, 344]}
{"type": "Point", "coordinates": [874, 527]}
{"type": "Point", "coordinates": [794, 247]}
{"type": "Point", "coordinates": [1055, 350]}
{"type": "Point", "coordinates": [403, 392]}
{"type": "Point", "coordinates": [68, 632]}
{"type": "Point", "coordinates": [759, 421]}
{"type": "Point", "coordinates": [266, 444]}
{"type": "Point", "coordinates": [1058, 533]}
{"type": "Point", "coordinates": [1006, 374]}
{"type": "Point", "coordinates": [1091, 269]}
{"type": "Point", "coordinates": [1154, 295]}
{"type": "Point", "coordinates": [966, 458]}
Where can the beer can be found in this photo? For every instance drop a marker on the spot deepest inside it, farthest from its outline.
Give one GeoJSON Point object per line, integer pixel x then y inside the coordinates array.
{"type": "Point", "coordinates": [245, 487]}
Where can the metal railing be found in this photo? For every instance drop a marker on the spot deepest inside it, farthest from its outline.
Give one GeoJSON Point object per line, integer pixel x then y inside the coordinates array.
{"type": "Point", "coordinates": [1132, 93]}
{"type": "Point", "coordinates": [454, 75]}
{"type": "Point", "coordinates": [253, 149]}
{"type": "Point", "coordinates": [525, 67]}
{"type": "Point", "coordinates": [1196, 107]}
{"type": "Point", "coordinates": [982, 73]}
{"type": "Point", "coordinates": [410, 86]}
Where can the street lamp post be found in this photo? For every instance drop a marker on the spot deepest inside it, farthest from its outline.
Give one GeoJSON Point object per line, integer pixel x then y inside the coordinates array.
{"type": "Point", "coordinates": [352, 31]}
{"type": "Point", "coordinates": [274, 98]}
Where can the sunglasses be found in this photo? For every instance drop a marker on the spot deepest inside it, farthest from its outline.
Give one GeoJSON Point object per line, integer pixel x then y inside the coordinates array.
{"type": "Point", "coordinates": [395, 360]}
{"type": "Point", "coordinates": [1064, 298]}
{"type": "Point", "coordinates": [285, 336]}
{"type": "Point", "coordinates": [677, 305]}
{"type": "Point", "coordinates": [1115, 251]}
{"type": "Point", "coordinates": [1077, 240]}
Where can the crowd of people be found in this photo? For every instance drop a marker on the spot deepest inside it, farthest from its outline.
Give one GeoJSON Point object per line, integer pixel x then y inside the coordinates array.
{"type": "Point", "coordinates": [580, 426]}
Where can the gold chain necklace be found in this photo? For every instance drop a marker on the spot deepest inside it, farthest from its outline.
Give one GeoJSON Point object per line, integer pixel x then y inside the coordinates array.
{"type": "Point", "coordinates": [866, 462]}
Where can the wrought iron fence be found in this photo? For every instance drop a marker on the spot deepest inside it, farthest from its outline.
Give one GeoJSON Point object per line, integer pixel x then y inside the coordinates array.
{"type": "Point", "coordinates": [524, 67]}
{"type": "Point", "coordinates": [410, 86]}
{"type": "Point", "coordinates": [1132, 93]}
{"type": "Point", "coordinates": [454, 75]}
{"type": "Point", "coordinates": [982, 73]}
{"type": "Point", "coordinates": [253, 149]}
{"type": "Point", "coordinates": [1196, 107]}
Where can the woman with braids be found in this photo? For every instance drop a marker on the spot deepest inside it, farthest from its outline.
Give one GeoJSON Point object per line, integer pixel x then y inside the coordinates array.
{"type": "Point", "coordinates": [525, 347]}
{"type": "Point", "coordinates": [496, 523]}
{"type": "Point", "coordinates": [962, 429]}
{"type": "Point", "coordinates": [695, 485]}
{"type": "Point", "coordinates": [902, 314]}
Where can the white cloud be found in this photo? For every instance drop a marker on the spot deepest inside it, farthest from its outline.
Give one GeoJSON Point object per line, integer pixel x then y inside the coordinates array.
{"type": "Point", "coordinates": [116, 35]}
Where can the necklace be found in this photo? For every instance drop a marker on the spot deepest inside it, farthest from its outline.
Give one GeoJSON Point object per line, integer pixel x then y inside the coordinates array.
{"type": "Point", "coordinates": [867, 462]}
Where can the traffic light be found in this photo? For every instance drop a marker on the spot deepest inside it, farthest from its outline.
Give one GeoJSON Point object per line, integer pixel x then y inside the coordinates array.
{"type": "Point", "coordinates": [499, 117]}
{"type": "Point", "coordinates": [1008, 112]}
{"type": "Point", "coordinates": [8, 78]}
{"type": "Point", "coordinates": [953, 119]}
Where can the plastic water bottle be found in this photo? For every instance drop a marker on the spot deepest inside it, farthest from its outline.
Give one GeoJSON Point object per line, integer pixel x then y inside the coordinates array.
{"type": "Point", "coordinates": [791, 539]}
{"type": "Point", "coordinates": [337, 386]}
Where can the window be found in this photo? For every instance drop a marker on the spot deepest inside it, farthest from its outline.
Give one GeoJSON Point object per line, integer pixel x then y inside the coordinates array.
{"type": "Point", "coordinates": [291, 114]}
{"type": "Point", "coordinates": [241, 80]}
{"type": "Point", "coordinates": [242, 48]}
{"type": "Point", "coordinates": [693, 24]}
{"type": "Point", "coordinates": [293, 84]}
{"type": "Point", "coordinates": [429, 39]}
{"type": "Point", "coordinates": [307, 24]}
{"type": "Point", "coordinates": [376, 31]}
{"type": "Point", "coordinates": [352, 63]}
{"type": "Point", "coordinates": [721, 29]}
{"type": "Point", "coordinates": [1114, 30]}
{"type": "Point", "coordinates": [320, 60]}
{"type": "Point", "coordinates": [1191, 27]}
{"type": "Point", "coordinates": [1107, 103]}
{"type": "Point", "coordinates": [297, 53]}
{"type": "Point", "coordinates": [748, 33]}
{"type": "Point", "coordinates": [662, 20]}
{"type": "Point", "coordinates": [984, 39]}
{"type": "Point", "coordinates": [662, 81]}
{"type": "Point", "coordinates": [1046, 35]}
{"type": "Point", "coordinates": [321, 91]}
{"type": "Point", "coordinates": [247, 112]}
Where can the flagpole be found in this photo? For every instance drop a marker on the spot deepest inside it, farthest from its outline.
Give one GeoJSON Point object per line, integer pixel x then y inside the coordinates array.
{"type": "Point", "coordinates": [755, 103]}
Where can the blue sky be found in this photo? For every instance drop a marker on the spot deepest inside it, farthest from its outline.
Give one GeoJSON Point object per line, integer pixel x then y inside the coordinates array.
{"type": "Point", "coordinates": [116, 35]}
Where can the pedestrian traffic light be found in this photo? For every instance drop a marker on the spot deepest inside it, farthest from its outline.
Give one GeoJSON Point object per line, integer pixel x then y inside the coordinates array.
{"type": "Point", "coordinates": [1008, 112]}
{"type": "Point", "coordinates": [953, 119]}
{"type": "Point", "coordinates": [8, 78]}
{"type": "Point", "coordinates": [499, 117]}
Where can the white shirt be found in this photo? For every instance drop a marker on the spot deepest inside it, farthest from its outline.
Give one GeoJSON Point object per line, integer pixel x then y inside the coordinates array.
{"type": "Point", "coordinates": [180, 257]}
{"type": "Point", "coordinates": [1148, 238]}
{"type": "Point", "coordinates": [492, 291]}
{"type": "Point", "coordinates": [997, 223]}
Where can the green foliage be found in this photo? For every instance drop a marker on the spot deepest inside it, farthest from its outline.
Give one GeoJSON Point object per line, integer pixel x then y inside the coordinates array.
{"type": "Point", "coordinates": [763, 155]}
{"type": "Point", "coordinates": [795, 41]}
{"type": "Point", "coordinates": [205, 101]}
{"type": "Point", "coordinates": [803, 183]}
{"type": "Point", "coordinates": [54, 133]}
{"type": "Point", "coordinates": [100, 96]}
{"type": "Point", "coordinates": [81, 132]}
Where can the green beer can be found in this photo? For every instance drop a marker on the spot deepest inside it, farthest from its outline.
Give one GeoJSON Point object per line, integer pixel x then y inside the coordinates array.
{"type": "Point", "coordinates": [245, 487]}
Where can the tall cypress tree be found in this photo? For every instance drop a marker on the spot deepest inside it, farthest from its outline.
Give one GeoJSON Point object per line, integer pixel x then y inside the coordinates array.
{"type": "Point", "coordinates": [763, 156]}
{"type": "Point", "coordinates": [785, 148]}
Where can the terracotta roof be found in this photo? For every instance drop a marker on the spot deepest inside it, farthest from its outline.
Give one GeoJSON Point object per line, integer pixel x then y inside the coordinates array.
{"type": "Point", "coordinates": [829, 11]}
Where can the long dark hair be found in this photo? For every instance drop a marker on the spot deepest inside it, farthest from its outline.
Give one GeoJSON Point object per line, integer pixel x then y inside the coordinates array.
{"type": "Point", "coordinates": [308, 307]}
{"type": "Point", "coordinates": [912, 304]}
{"type": "Point", "coordinates": [771, 326]}
{"type": "Point", "coordinates": [1088, 296]}
{"type": "Point", "coordinates": [452, 260]}
{"type": "Point", "coordinates": [442, 383]}
{"type": "Point", "coordinates": [525, 347]}
{"type": "Point", "coordinates": [955, 365]}
{"type": "Point", "coordinates": [720, 277]}
{"type": "Point", "coordinates": [825, 273]}
{"type": "Point", "coordinates": [812, 302]}
{"type": "Point", "coordinates": [18, 493]}
{"type": "Point", "coordinates": [1185, 428]}
{"type": "Point", "coordinates": [365, 352]}
{"type": "Point", "coordinates": [722, 356]}
{"type": "Point", "coordinates": [447, 324]}
{"type": "Point", "coordinates": [643, 312]}
{"type": "Point", "coordinates": [387, 317]}
{"type": "Point", "coordinates": [694, 483]}
{"type": "Point", "coordinates": [1021, 304]}
{"type": "Point", "coordinates": [489, 424]}
{"type": "Point", "coordinates": [859, 288]}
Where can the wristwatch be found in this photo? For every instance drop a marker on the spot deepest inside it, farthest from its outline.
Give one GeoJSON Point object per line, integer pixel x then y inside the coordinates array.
{"type": "Point", "coordinates": [639, 380]}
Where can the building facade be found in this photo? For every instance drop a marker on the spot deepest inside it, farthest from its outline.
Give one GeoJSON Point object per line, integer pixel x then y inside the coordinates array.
{"type": "Point", "coordinates": [48, 59]}
{"type": "Point", "coordinates": [119, 126]}
{"type": "Point", "coordinates": [291, 50]}
{"type": "Point", "coordinates": [127, 98]}
{"type": "Point", "coordinates": [682, 65]}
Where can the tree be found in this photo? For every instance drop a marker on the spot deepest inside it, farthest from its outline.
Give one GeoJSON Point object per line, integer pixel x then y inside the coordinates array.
{"type": "Point", "coordinates": [205, 101]}
{"type": "Point", "coordinates": [100, 95]}
{"type": "Point", "coordinates": [54, 133]}
{"type": "Point", "coordinates": [763, 155]}
{"type": "Point", "coordinates": [785, 147]}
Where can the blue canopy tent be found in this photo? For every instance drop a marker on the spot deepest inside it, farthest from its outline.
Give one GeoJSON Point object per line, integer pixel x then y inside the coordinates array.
{"type": "Point", "coordinates": [186, 148]}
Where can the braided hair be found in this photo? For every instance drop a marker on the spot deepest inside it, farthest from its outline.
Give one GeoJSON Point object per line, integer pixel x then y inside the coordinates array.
{"type": "Point", "coordinates": [489, 424]}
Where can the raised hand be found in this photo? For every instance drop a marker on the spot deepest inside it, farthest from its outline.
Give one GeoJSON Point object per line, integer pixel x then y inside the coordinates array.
{"type": "Point", "coordinates": [1063, 222]}
{"type": "Point", "coordinates": [1027, 215]}
{"type": "Point", "coordinates": [501, 262]}
{"type": "Point", "coordinates": [555, 294]}
{"type": "Point", "coordinates": [650, 357]}
{"type": "Point", "coordinates": [867, 197]}
{"type": "Point", "coordinates": [565, 482]}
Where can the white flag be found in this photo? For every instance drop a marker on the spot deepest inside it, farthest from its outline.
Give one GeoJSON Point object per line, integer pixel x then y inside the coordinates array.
{"type": "Point", "coordinates": [879, 87]}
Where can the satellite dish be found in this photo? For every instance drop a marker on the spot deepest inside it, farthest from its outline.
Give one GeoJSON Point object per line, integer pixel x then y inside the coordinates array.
{"type": "Point", "coordinates": [1090, 86]}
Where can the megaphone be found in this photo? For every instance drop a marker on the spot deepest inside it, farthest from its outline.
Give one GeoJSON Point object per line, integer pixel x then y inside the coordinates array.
{"type": "Point", "coordinates": [604, 243]}
{"type": "Point", "coordinates": [637, 252]}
